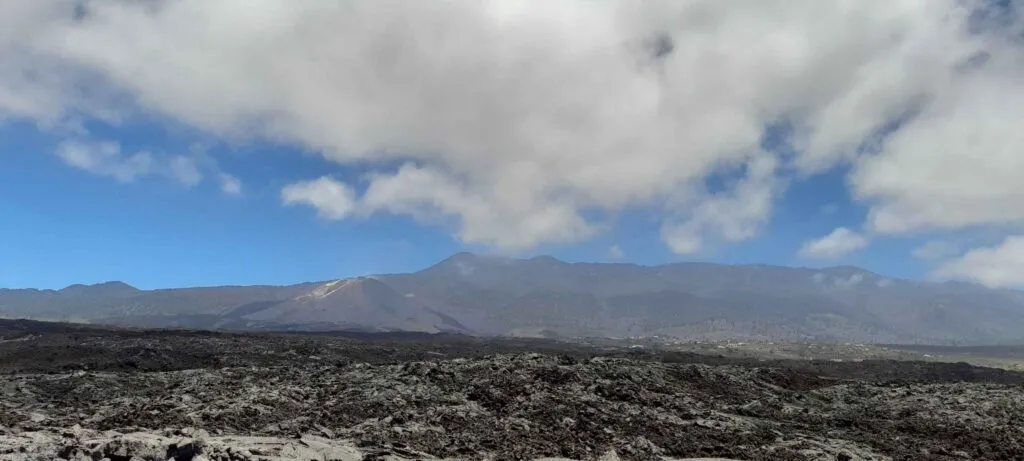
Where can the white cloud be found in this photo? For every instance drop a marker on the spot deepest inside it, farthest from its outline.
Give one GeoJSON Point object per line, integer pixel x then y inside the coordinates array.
{"type": "Point", "coordinates": [503, 216]}
{"type": "Point", "coordinates": [332, 199]}
{"type": "Point", "coordinates": [838, 243]}
{"type": "Point", "coordinates": [733, 216]}
{"type": "Point", "coordinates": [957, 165]}
{"type": "Point", "coordinates": [185, 170]}
{"type": "Point", "coordinates": [616, 252]}
{"type": "Point", "coordinates": [529, 119]}
{"type": "Point", "coordinates": [230, 185]}
{"type": "Point", "coordinates": [844, 283]}
{"type": "Point", "coordinates": [935, 250]}
{"type": "Point", "coordinates": [850, 282]}
{"type": "Point", "coordinates": [105, 159]}
{"type": "Point", "coordinates": [1001, 265]}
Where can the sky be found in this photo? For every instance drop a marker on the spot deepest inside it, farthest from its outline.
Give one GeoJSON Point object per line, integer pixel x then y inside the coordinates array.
{"type": "Point", "coordinates": [185, 142]}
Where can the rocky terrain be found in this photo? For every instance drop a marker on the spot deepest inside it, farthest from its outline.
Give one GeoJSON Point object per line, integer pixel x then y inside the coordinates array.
{"type": "Point", "coordinates": [73, 392]}
{"type": "Point", "coordinates": [546, 297]}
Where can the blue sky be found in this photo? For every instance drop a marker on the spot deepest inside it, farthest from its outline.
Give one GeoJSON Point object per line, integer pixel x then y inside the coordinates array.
{"type": "Point", "coordinates": [176, 143]}
{"type": "Point", "coordinates": [63, 225]}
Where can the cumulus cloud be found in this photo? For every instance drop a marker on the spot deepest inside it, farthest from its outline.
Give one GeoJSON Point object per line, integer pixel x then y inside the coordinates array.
{"type": "Point", "coordinates": [616, 252]}
{"type": "Point", "coordinates": [838, 243]}
{"type": "Point", "coordinates": [331, 199]}
{"type": "Point", "coordinates": [527, 123]}
{"type": "Point", "coordinates": [105, 159]}
{"type": "Point", "coordinates": [1000, 265]}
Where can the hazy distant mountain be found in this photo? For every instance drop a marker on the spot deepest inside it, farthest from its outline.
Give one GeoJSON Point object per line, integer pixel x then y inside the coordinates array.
{"type": "Point", "coordinates": [544, 296]}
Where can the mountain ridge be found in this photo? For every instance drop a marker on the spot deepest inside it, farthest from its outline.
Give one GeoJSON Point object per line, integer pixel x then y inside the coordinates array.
{"type": "Point", "coordinates": [477, 255]}
{"type": "Point", "coordinates": [496, 295]}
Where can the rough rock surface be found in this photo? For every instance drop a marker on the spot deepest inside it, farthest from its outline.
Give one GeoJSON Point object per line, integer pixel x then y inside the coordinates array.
{"type": "Point", "coordinates": [77, 444]}
{"type": "Point", "coordinates": [454, 403]}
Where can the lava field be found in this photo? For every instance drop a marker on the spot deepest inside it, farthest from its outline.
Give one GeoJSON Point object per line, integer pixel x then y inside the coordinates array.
{"type": "Point", "coordinates": [75, 392]}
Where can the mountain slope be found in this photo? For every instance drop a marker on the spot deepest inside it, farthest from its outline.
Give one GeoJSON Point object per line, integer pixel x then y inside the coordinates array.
{"type": "Point", "coordinates": [361, 303]}
{"type": "Point", "coordinates": [542, 296]}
